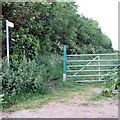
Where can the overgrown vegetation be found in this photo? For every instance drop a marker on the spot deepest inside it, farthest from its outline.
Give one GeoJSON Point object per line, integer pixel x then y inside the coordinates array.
{"type": "Point", "coordinates": [47, 27]}
{"type": "Point", "coordinates": [29, 77]}
{"type": "Point", "coordinates": [36, 45]}
{"type": "Point", "coordinates": [112, 88]}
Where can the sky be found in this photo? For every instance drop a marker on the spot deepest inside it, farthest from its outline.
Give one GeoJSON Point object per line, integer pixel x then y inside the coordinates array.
{"type": "Point", "coordinates": [106, 13]}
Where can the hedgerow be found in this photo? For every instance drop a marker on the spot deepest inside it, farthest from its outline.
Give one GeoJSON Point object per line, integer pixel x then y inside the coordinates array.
{"type": "Point", "coordinates": [28, 76]}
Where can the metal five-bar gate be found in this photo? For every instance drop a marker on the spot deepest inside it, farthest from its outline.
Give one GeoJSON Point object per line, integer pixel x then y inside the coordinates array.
{"type": "Point", "coordinates": [90, 67]}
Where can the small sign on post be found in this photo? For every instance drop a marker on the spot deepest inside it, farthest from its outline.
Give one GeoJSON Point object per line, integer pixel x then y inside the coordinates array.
{"type": "Point", "coordinates": [64, 66]}
{"type": "Point", "coordinates": [8, 24]}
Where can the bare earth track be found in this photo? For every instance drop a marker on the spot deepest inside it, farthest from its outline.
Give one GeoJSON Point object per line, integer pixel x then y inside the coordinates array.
{"type": "Point", "coordinates": [75, 107]}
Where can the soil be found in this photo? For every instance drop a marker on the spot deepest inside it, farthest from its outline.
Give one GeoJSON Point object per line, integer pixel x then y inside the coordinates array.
{"type": "Point", "coordinates": [76, 107]}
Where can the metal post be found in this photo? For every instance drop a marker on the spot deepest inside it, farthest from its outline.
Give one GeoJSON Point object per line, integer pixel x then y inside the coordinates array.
{"type": "Point", "coordinates": [99, 66]}
{"type": "Point", "coordinates": [7, 39]}
{"type": "Point", "coordinates": [64, 66]}
{"type": "Point", "coordinates": [8, 24]}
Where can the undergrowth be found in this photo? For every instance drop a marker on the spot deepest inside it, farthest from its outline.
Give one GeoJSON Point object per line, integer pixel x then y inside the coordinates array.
{"type": "Point", "coordinates": [27, 81]}
{"type": "Point", "coordinates": [28, 77]}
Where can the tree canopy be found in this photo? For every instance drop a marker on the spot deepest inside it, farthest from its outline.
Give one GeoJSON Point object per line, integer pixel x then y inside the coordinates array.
{"type": "Point", "coordinates": [46, 27]}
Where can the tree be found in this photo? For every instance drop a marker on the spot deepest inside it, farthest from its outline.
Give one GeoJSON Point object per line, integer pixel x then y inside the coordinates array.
{"type": "Point", "coordinates": [51, 25]}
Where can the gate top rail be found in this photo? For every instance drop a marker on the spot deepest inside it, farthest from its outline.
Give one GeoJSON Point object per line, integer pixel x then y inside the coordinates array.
{"type": "Point", "coordinates": [100, 60]}
{"type": "Point", "coordinates": [115, 60]}
{"type": "Point", "coordinates": [109, 65]}
{"type": "Point", "coordinates": [107, 54]}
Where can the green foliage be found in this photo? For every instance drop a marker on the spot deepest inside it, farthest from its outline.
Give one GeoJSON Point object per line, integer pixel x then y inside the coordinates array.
{"type": "Point", "coordinates": [51, 26]}
{"type": "Point", "coordinates": [107, 93]}
{"type": "Point", "coordinates": [1, 101]}
{"type": "Point", "coordinates": [96, 97]}
{"type": "Point", "coordinates": [29, 77]}
{"type": "Point", "coordinates": [53, 66]}
{"type": "Point", "coordinates": [25, 44]}
{"type": "Point", "coordinates": [41, 29]}
{"type": "Point", "coordinates": [109, 88]}
{"type": "Point", "coordinates": [91, 38]}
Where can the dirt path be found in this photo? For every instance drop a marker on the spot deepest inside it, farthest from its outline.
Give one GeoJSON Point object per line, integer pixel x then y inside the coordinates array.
{"type": "Point", "coordinates": [75, 107]}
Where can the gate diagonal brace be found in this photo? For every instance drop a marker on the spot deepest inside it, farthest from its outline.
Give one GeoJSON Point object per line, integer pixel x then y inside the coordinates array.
{"type": "Point", "coordinates": [86, 65]}
{"type": "Point", "coordinates": [109, 72]}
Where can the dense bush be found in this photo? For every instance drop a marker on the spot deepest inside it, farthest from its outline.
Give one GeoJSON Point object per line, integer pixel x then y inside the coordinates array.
{"type": "Point", "coordinates": [24, 44]}
{"type": "Point", "coordinates": [53, 66]}
{"type": "Point", "coordinates": [28, 77]}
{"type": "Point", "coordinates": [47, 27]}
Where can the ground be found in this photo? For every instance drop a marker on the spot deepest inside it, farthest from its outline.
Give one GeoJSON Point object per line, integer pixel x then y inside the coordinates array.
{"type": "Point", "coordinates": [77, 105]}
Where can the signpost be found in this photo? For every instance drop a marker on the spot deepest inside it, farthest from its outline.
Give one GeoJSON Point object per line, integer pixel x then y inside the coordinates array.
{"type": "Point", "coordinates": [8, 24]}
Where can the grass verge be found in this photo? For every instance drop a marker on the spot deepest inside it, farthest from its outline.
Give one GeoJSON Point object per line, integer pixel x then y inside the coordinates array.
{"type": "Point", "coordinates": [63, 92]}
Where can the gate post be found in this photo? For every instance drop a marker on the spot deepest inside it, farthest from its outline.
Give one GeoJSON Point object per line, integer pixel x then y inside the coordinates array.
{"type": "Point", "coordinates": [99, 66]}
{"type": "Point", "coordinates": [64, 65]}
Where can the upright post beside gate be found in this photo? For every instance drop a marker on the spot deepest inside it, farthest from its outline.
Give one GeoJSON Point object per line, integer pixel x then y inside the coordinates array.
{"type": "Point", "coordinates": [64, 65]}
{"type": "Point", "coordinates": [99, 67]}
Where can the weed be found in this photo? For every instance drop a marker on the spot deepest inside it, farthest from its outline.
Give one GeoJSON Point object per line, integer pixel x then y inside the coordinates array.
{"type": "Point", "coordinates": [96, 97]}
{"type": "Point", "coordinates": [85, 104]}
